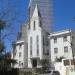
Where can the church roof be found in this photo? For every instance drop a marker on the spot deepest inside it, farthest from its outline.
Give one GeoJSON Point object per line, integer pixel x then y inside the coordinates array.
{"type": "Point", "coordinates": [36, 12]}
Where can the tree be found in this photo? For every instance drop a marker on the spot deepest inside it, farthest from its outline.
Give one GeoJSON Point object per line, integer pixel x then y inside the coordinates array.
{"type": "Point", "coordinates": [9, 61]}
{"type": "Point", "coordinates": [45, 65]}
{"type": "Point", "coordinates": [9, 16]}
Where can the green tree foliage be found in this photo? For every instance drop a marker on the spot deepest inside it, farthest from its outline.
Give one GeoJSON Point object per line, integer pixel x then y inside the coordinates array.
{"type": "Point", "coordinates": [45, 65]}
{"type": "Point", "coordinates": [5, 61]}
{"type": "Point", "coordinates": [1, 46]}
{"type": "Point", "coordinates": [2, 24]}
{"type": "Point", "coordinates": [9, 16]}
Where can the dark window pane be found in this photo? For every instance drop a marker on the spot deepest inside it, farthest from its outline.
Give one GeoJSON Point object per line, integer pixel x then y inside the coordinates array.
{"type": "Point", "coordinates": [65, 49]}
{"type": "Point", "coordinates": [30, 45]}
{"type": "Point", "coordinates": [34, 25]}
{"type": "Point", "coordinates": [55, 50]}
{"type": "Point", "coordinates": [66, 62]}
{"type": "Point", "coordinates": [20, 54]}
{"type": "Point", "coordinates": [65, 38]}
{"type": "Point", "coordinates": [37, 45]}
{"type": "Point", "coordinates": [55, 40]}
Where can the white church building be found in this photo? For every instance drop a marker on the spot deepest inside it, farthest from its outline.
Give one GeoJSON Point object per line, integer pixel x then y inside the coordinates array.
{"type": "Point", "coordinates": [38, 47]}
{"type": "Point", "coordinates": [37, 43]}
{"type": "Point", "coordinates": [62, 45]}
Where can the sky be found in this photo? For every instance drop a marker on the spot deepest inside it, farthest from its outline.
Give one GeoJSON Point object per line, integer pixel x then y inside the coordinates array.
{"type": "Point", "coordinates": [63, 14]}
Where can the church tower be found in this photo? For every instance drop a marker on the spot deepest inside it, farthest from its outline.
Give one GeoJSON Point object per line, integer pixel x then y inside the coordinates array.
{"type": "Point", "coordinates": [45, 8]}
{"type": "Point", "coordinates": [33, 46]}
{"type": "Point", "coordinates": [38, 48]}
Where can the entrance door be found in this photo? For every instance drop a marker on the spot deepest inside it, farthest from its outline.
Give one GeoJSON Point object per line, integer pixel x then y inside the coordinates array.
{"type": "Point", "coordinates": [34, 63]}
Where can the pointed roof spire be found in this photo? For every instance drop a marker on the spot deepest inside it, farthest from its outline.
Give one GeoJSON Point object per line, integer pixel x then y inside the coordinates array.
{"type": "Point", "coordinates": [29, 4]}
{"type": "Point", "coordinates": [36, 12]}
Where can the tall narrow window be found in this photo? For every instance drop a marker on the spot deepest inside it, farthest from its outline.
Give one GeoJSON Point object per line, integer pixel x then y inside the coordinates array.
{"type": "Point", "coordinates": [34, 25]}
{"type": "Point", "coordinates": [47, 43]}
{"type": "Point", "coordinates": [37, 45]}
{"type": "Point", "coordinates": [40, 24]}
{"type": "Point", "coordinates": [43, 40]}
{"type": "Point", "coordinates": [29, 19]}
{"type": "Point", "coordinates": [19, 54]}
{"type": "Point", "coordinates": [31, 46]}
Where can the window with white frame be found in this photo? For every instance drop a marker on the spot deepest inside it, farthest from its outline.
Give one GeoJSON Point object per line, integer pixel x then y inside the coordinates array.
{"type": "Point", "coordinates": [65, 38]}
{"type": "Point", "coordinates": [20, 54]}
{"type": "Point", "coordinates": [37, 45]}
{"type": "Point", "coordinates": [55, 40]}
{"type": "Point", "coordinates": [55, 50]}
{"type": "Point", "coordinates": [30, 46]}
{"type": "Point", "coordinates": [65, 49]}
{"type": "Point", "coordinates": [34, 25]}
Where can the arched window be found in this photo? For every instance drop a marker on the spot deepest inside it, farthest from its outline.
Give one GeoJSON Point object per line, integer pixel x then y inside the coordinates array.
{"type": "Point", "coordinates": [37, 45]}
{"type": "Point", "coordinates": [31, 46]}
{"type": "Point", "coordinates": [34, 25]}
{"type": "Point", "coordinates": [40, 24]}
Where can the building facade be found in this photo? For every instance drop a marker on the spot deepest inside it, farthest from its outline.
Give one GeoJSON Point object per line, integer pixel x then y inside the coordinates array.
{"type": "Point", "coordinates": [20, 49]}
{"type": "Point", "coordinates": [62, 45]}
{"type": "Point", "coordinates": [36, 43]}
{"type": "Point", "coordinates": [38, 46]}
{"type": "Point", "coordinates": [41, 45]}
{"type": "Point", "coordinates": [33, 45]}
{"type": "Point", "coordinates": [45, 8]}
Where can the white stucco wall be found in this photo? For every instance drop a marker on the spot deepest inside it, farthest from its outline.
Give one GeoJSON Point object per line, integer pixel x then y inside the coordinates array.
{"type": "Point", "coordinates": [64, 70]}
{"type": "Point", "coordinates": [60, 68]}
{"type": "Point", "coordinates": [60, 45]}
{"type": "Point", "coordinates": [19, 49]}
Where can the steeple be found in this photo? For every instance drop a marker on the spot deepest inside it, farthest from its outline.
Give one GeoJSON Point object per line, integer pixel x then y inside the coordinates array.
{"type": "Point", "coordinates": [29, 4]}
{"type": "Point", "coordinates": [45, 9]}
{"type": "Point", "coordinates": [36, 12]}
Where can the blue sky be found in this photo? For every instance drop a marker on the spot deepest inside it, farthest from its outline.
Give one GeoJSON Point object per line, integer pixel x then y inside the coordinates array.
{"type": "Point", "coordinates": [63, 13]}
